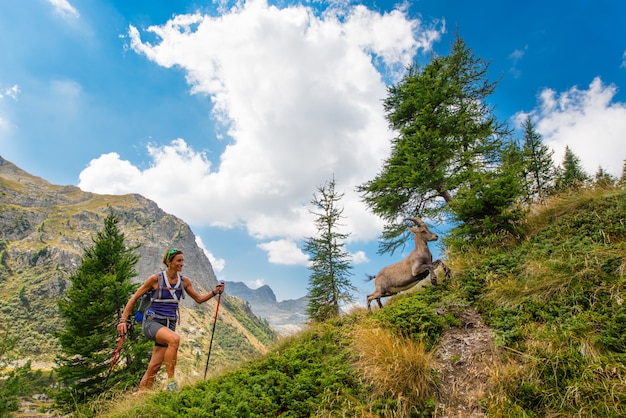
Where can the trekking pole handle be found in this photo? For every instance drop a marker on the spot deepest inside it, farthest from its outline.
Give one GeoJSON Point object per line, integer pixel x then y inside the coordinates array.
{"type": "Point", "coordinates": [220, 284]}
{"type": "Point", "coordinates": [126, 328]}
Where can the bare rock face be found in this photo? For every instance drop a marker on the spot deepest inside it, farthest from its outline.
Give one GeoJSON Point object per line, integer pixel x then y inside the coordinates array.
{"type": "Point", "coordinates": [51, 225]}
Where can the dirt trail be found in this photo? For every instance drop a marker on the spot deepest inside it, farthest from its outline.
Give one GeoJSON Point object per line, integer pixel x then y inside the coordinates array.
{"type": "Point", "coordinates": [465, 357]}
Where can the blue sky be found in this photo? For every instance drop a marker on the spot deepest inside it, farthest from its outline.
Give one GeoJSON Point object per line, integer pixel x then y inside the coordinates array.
{"type": "Point", "coordinates": [230, 115]}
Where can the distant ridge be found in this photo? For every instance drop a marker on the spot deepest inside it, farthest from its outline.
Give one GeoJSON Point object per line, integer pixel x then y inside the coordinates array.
{"type": "Point", "coordinates": [286, 317]}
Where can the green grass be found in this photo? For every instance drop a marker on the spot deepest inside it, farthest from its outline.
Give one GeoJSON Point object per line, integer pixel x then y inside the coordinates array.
{"type": "Point", "coordinates": [556, 302]}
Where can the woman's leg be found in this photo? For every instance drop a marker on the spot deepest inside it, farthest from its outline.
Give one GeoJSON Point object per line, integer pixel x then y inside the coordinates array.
{"type": "Point", "coordinates": [166, 336]}
{"type": "Point", "coordinates": [158, 353]}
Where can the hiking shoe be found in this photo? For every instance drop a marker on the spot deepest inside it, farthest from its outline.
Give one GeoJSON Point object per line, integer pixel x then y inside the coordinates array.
{"type": "Point", "coordinates": [172, 386]}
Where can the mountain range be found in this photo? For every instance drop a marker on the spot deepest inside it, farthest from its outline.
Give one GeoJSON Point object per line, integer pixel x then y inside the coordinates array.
{"type": "Point", "coordinates": [44, 230]}
{"type": "Point", "coordinates": [286, 317]}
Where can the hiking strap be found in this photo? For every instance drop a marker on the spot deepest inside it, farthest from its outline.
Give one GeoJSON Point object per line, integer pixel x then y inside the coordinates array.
{"type": "Point", "coordinates": [172, 289]}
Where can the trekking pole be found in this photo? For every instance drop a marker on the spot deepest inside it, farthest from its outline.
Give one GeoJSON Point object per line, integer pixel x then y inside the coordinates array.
{"type": "Point", "coordinates": [206, 368]}
{"type": "Point", "coordinates": [117, 352]}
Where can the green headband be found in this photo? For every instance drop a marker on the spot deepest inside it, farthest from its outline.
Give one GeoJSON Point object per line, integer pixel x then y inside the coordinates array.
{"type": "Point", "coordinates": [170, 253]}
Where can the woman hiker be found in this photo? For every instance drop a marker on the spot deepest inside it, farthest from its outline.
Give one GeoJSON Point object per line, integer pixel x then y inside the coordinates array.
{"type": "Point", "coordinates": [159, 324]}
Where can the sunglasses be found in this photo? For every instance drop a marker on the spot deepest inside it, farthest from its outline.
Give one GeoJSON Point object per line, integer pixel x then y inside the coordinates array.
{"type": "Point", "coordinates": [170, 253]}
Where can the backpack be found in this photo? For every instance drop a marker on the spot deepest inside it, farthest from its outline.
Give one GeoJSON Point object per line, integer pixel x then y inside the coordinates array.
{"type": "Point", "coordinates": [147, 298]}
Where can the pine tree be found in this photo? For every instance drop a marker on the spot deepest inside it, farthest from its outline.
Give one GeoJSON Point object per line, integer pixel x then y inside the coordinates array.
{"type": "Point", "coordinates": [99, 289]}
{"type": "Point", "coordinates": [539, 171]}
{"type": "Point", "coordinates": [622, 179]}
{"type": "Point", "coordinates": [329, 284]}
{"type": "Point", "coordinates": [571, 174]}
{"type": "Point", "coordinates": [602, 178]}
{"type": "Point", "coordinates": [497, 206]}
{"type": "Point", "coordinates": [448, 136]}
{"type": "Point", "coordinates": [9, 376]}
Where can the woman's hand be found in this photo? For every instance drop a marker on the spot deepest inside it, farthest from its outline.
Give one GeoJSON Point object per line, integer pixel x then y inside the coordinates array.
{"type": "Point", "coordinates": [218, 289]}
{"type": "Point", "coordinates": [122, 327]}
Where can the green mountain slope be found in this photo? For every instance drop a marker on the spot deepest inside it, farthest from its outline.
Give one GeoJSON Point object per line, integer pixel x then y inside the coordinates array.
{"type": "Point", "coordinates": [555, 300]}
{"type": "Point", "coordinates": [527, 327]}
{"type": "Point", "coordinates": [43, 231]}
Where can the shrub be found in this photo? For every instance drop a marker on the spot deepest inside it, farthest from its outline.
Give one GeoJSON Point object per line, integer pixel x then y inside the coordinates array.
{"type": "Point", "coordinates": [398, 368]}
{"type": "Point", "coordinates": [413, 317]}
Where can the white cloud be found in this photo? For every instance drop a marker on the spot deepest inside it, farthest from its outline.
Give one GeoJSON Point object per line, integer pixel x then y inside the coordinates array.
{"type": "Point", "coordinates": [255, 284]}
{"type": "Point", "coordinates": [588, 121]}
{"type": "Point", "coordinates": [11, 92]}
{"type": "Point", "coordinates": [64, 8]}
{"type": "Point", "coordinates": [515, 57]}
{"type": "Point", "coordinates": [285, 252]}
{"type": "Point", "coordinates": [109, 175]}
{"type": "Point", "coordinates": [218, 264]}
{"type": "Point", "coordinates": [299, 96]}
{"type": "Point", "coordinates": [359, 257]}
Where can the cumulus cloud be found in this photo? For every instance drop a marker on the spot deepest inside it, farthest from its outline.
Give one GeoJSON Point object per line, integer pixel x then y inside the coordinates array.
{"type": "Point", "coordinates": [298, 95]}
{"type": "Point", "coordinates": [515, 57]}
{"type": "Point", "coordinates": [64, 8]}
{"type": "Point", "coordinates": [588, 121]}
{"type": "Point", "coordinates": [255, 284]}
{"type": "Point", "coordinates": [10, 92]}
{"type": "Point", "coordinates": [359, 257]}
{"type": "Point", "coordinates": [285, 252]}
{"type": "Point", "coordinates": [218, 264]}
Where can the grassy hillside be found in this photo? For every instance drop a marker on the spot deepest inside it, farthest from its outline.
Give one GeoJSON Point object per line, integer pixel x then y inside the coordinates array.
{"type": "Point", "coordinates": [555, 300]}
{"type": "Point", "coordinates": [554, 343]}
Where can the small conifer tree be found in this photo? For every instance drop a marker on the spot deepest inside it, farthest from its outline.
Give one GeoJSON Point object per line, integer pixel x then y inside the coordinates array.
{"type": "Point", "coordinates": [603, 178]}
{"type": "Point", "coordinates": [329, 284]}
{"type": "Point", "coordinates": [571, 175]}
{"type": "Point", "coordinates": [622, 179]}
{"type": "Point", "coordinates": [492, 202]}
{"type": "Point", "coordinates": [539, 168]}
{"type": "Point", "coordinates": [98, 290]}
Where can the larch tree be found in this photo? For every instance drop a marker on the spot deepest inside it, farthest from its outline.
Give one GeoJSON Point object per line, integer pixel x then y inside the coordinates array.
{"type": "Point", "coordinates": [447, 139]}
{"type": "Point", "coordinates": [98, 291]}
{"type": "Point", "coordinates": [539, 170]}
{"type": "Point", "coordinates": [330, 268]}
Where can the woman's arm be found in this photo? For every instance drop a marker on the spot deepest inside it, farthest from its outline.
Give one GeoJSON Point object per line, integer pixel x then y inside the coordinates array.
{"type": "Point", "coordinates": [150, 284]}
{"type": "Point", "coordinates": [197, 296]}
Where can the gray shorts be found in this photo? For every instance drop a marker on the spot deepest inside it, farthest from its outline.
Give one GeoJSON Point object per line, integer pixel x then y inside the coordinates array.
{"type": "Point", "coordinates": [151, 326]}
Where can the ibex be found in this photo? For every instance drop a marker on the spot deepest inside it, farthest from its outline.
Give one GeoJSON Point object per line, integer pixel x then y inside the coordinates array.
{"type": "Point", "coordinates": [415, 267]}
